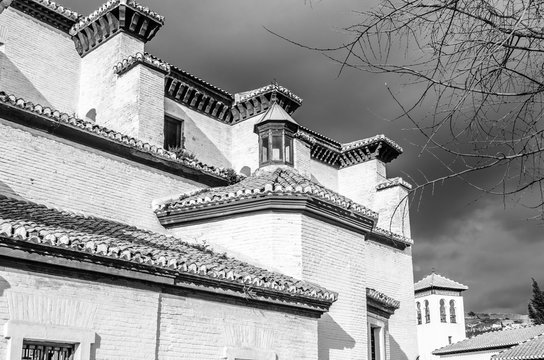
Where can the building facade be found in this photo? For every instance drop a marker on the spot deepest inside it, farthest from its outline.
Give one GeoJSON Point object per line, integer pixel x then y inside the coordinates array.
{"type": "Point", "coordinates": [128, 188]}
{"type": "Point", "coordinates": [440, 313]}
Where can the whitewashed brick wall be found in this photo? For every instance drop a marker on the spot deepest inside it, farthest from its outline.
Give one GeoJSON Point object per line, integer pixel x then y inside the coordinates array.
{"type": "Point", "coordinates": [40, 63]}
{"type": "Point", "coordinates": [207, 138]}
{"type": "Point", "coordinates": [136, 322]}
{"type": "Point", "coordinates": [48, 170]}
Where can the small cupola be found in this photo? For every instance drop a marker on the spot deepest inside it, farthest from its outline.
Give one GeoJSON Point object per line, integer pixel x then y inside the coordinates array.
{"type": "Point", "coordinates": [276, 130]}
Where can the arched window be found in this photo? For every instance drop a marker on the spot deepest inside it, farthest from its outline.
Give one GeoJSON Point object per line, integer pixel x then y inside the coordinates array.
{"type": "Point", "coordinates": [453, 318]}
{"type": "Point", "coordinates": [442, 311]}
{"type": "Point", "coordinates": [427, 312]}
{"type": "Point", "coordinates": [418, 309]}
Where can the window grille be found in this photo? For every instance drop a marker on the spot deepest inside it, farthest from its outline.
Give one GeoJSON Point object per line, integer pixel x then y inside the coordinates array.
{"type": "Point", "coordinates": [173, 133]}
{"type": "Point", "coordinates": [453, 318]}
{"type": "Point", "coordinates": [427, 312]}
{"type": "Point", "coordinates": [442, 311]}
{"type": "Point", "coordinates": [419, 313]}
{"type": "Point", "coordinates": [47, 351]}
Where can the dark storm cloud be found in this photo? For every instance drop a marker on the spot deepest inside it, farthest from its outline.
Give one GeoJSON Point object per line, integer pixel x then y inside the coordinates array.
{"type": "Point", "coordinates": [494, 251]}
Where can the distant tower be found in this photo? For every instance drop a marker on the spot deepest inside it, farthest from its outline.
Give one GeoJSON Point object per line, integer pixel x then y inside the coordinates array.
{"type": "Point", "coordinates": [440, 313]}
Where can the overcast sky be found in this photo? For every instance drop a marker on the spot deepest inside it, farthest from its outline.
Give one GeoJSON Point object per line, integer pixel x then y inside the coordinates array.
{"type": "Point", "coordinates": [482, 242]}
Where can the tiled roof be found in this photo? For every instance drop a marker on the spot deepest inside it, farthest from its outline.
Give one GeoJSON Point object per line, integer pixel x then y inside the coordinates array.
{"type": "Point", "coordinates": [373, 139]}
{"type": "Point", "coordinates": [244, 96]}
{"type": "Point", "coordinates": [59, 9]}
{"type": "Point", "coordinates": [85, 21]}
{"type": "Point", "coordinates": [393, 182]}
{"type": "Point", "coordinates": [265, 181]}
{"type": "Point", "coordinates": [56, 116]}
{"type": "Point", "coordinates": [276, 112]}
{"type": "Point", "coordinates": [382, 298]}
{"type": "Point", "coordinates": [139, 58]}
{"type": "Point", "coordinates": [392, 235]}
{"type": "Point", "coordinates": [434, 280]}
{"type": "Point", "coordinates": [493, 340]}
{"type": "Point", "coordinates": [527, 350]}
{"type": "Point", "coordinates": [29, 222]}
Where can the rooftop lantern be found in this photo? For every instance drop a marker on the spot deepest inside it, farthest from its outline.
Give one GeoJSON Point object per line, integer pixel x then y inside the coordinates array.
{"type": "Point", "coordinates": [276, 130]}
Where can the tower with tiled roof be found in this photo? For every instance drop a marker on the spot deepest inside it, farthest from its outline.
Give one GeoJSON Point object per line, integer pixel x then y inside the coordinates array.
{"type": "Point", "coordinates": [440, 313]}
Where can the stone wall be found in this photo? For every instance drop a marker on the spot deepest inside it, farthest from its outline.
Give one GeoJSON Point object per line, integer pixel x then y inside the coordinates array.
{"type": "Point", "coordinates": [43, 168]}
{"type": "Point", "coordinates": [135, 320]}
{"type": "Point", "coordinates": [39, 63]}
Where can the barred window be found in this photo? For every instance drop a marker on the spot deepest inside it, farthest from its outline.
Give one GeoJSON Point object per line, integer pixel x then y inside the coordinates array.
{"type": "Point", "coordinates": [47, 351]}
{"type": "Point", "coordinates": [453, 318]}
{"type": "Point", "coordinates": [442, 311]}
{"type": "Point", "coordinates": [418, 309]}
{"type": "Point", "coordinates": [427, 312]}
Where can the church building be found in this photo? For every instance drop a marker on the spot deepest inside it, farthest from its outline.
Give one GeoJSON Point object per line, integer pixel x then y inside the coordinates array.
{"type": "Point", "coordinates": [148, 214]}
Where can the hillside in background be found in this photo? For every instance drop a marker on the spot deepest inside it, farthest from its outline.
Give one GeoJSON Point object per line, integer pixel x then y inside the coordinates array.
{"type": "Point", "coordinates": [479, 323]}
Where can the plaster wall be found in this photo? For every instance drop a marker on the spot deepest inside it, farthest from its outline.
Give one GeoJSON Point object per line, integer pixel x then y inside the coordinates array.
{"type": "Point", "coordinates": [390, 271]}
{"type": "Point", "coordinates": [393, 206]}
{"type": "Point", "coordinates": [245, 145]}
{"type": "Point", "coordinates": [208, 139]}
{"type": "Point", "coordinates": [139, 321]}
{"type": "Point", "coordinates": [302, 158]}
{"type": "Point", "coordinates": [326, 175]}
{"type": "Point", "coordinates": [39, 62]}
{"type": "Point", "coordinates": [358, 182]}
{"type": "Point", "coordinates": [43, 168]}
{"type": "Point", "coordinates": [434, 335]}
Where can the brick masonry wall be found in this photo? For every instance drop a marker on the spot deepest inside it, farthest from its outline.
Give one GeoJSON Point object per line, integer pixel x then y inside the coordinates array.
{"type": "Point", "coordinates": [390, 272]}
{"type": "Point", "coordinates": [98, 84]}
{"type": "Point", "coordinates": [137, 322]}
{"type": "Point", "coordinates": [393, 206]}
{"type": "Point", "coordinates": [271, 240]}
{"type": "Point", "coordinates": [40, 63]}
{"type": "Point", "coordinates": [208, 139]}
{"type": "Point", "coordinates": [358, 182]}
{"type": "Point", "coordinates": [48, 170]}
{"type": "Point", "coordinates": [302, 158]}
{"type": "Point", "coordinates": [335, 258]}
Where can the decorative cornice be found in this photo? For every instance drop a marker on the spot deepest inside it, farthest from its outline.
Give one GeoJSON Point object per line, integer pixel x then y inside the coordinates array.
{"type": "Point", "coordinates": [398, 181]}
{"type": "Point", "coordinates": [386, 234]}
{"type": "Point", "coordinates": [111, 18]}
{"type": "Point", "coordinates": [199, 95]}
{"type": "Point", "coordinates": [317, 208]}
{"type": "Point", "coordinates": [254, 102]}
{"type": "Point", "coordinates": [57, 117]}
{"type": "Point", "coordinates": [304, 136]}
{"type": "Point", "coordinates": [144, 59]}
{"type": "Point", "coordinates": [267, 190]}
{"type": "Point", "coordinates": [273, 87]}
{"type": "Point", "coordinates": [47, 11]}
{"type": "Point", "coordinates": [381, 302]}
{"type": "Point", "coordinates": [341, 156]}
